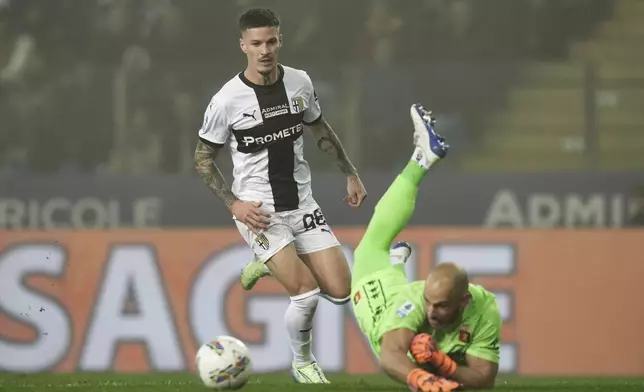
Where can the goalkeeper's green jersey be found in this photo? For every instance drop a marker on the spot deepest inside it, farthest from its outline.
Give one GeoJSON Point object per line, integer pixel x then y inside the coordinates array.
{"type": "Point", "coordinates": [477, 335]}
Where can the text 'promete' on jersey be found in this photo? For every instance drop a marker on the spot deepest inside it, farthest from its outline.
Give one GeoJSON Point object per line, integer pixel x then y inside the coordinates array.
{"type": "Point", "coordinates": [295, 131]}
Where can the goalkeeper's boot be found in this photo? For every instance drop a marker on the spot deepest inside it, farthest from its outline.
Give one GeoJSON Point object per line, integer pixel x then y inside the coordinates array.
{"type": "Point", "coordinates": [400, 252]}
{"type": "Point", "coordinates": [308, 374]}
{"type": "Point", "coordinates": [252, 273]}
{"type": "Point", "coordinates": [432, 144]}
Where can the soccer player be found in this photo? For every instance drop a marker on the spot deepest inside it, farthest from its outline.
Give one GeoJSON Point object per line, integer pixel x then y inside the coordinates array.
{"type": "Point", "coordinates": [261, 114]}
{"type": "Point", "coordinates": [434, 335]}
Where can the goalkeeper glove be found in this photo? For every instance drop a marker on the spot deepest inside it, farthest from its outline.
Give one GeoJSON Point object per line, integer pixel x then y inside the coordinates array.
{"type": "Point", "coordinates": [424, 351]}
{"type": "Point", "coordinates": [420, 380]}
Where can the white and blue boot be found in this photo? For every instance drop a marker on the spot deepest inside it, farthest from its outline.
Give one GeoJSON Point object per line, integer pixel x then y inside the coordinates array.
{"type": "Point", "coordinates": [400, 252]}
{"type": "Point", "coordinates": [431, 144]}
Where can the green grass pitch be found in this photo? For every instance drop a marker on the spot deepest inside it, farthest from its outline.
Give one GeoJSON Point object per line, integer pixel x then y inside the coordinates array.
{"type": "Point", "coordinates": [11, 382]}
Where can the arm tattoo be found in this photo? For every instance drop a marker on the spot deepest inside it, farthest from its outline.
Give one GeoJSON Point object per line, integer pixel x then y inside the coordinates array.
{"type": "Point", "coordinates": [329, 143]}
{"type": "Point", "coordinates": [210, 173]}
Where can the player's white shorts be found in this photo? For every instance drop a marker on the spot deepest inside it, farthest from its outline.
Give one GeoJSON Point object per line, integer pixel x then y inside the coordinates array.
{"type": "Point", "coordinates": [306, 227]}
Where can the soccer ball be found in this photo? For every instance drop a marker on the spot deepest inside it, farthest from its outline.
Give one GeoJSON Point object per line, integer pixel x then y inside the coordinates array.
{"type": "Point", "coordinates": [224, 363]}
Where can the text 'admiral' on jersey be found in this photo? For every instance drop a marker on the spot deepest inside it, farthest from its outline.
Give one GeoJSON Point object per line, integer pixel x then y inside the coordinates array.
{"type": "Point", "coordinates": [275, 111]}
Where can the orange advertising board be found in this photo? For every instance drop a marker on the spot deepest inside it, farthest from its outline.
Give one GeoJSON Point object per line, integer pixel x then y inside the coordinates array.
{"type": "Point", "coordinates": [136, 301]}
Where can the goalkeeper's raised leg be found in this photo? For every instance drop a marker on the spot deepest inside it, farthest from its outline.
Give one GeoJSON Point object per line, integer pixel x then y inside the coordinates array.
{"type": "Point", "coordinates": [387, 307]}
{"type": "Point", "coordinates": [396, 206]}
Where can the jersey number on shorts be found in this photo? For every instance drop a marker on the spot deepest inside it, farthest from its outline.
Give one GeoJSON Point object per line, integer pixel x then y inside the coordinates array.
{"type": "Point", "coordinates": [312, 221]}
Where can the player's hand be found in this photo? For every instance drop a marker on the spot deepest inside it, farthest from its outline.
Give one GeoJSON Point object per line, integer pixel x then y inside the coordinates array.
{"type": "Point", "coordinates": [248, 213]}
{"type": "Point", "coordinates": [420, 380]}
{"type": "Point", "coordinates": [424, 350]}
{"type": "Point", "coordinates": [355, 191]}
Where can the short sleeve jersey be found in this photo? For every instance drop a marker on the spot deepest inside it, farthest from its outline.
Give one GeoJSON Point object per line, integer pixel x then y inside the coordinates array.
{"type": "Point", "coordinates": [263, 125]}
{"type": "Point", "coordinates": [478, 334]}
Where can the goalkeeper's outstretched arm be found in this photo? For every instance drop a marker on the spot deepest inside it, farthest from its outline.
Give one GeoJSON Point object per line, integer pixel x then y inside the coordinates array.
{"type": "Point", "coordinates": [481, 359]}
{"type": "Point", "coordinates": [481, 367]}
{"type": "Point", "coordinates": [395, 362]}
{"type": "Point", "coordinates": [478, 373]}
{"type": "Point", "coordinates": [393, 354]}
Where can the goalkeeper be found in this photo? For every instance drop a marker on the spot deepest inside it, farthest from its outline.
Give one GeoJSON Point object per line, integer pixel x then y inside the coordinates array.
{"type": "Point", "coordinates": [440, 334]}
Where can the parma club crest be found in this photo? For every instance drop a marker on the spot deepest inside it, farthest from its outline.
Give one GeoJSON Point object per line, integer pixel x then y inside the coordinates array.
{"type": "Point", "coordinates": [262, 241]}
{"type": "Point", "coordinates": [297, 104]}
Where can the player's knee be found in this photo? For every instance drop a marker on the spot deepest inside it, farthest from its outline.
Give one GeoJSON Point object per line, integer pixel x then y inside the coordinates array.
{"type": "Point", "coordinates": [305, 284]}
{"type": "Point", "coordinates": [298, 285]}
{"type": "Point", "coordinates": [338, 288]}
{"type": "Point", "coordinates": [338, 291]}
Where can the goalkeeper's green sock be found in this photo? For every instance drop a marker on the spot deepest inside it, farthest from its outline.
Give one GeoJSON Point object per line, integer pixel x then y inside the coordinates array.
{"type": "Point", "coordinates": [416, 168]}
{"type": "Point", "coordinates": [395, 207]}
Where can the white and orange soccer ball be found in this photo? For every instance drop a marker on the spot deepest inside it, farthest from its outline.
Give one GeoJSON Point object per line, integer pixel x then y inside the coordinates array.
{"type": "Point", "coordinates": [224, 363]}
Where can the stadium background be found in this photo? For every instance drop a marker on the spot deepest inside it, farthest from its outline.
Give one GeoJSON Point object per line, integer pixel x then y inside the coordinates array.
{"type": "Point", "coordinates": [115, 257]}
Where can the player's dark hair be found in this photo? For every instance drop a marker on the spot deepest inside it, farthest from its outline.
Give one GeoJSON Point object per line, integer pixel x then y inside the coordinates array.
{"type": "Point", "coordinates": [258, 17]}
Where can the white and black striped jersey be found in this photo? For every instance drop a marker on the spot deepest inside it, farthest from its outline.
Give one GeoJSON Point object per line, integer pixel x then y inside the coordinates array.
{"type": "Point", "coordinates": [263, 127]}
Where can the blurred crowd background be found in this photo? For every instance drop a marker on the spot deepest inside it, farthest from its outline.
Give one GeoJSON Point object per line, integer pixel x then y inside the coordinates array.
{"type": "Point", "coordinates": [120, 86]}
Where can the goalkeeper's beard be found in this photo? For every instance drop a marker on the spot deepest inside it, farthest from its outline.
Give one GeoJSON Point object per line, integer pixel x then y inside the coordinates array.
{"type": "Point", "coordinates": [450, 322]}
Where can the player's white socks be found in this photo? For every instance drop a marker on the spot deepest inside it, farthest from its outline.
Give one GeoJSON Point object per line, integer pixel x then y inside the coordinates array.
{"type": "Point", "coordinates": [299, 322]}
{"type": "Point", "coordinates": [420, 158]}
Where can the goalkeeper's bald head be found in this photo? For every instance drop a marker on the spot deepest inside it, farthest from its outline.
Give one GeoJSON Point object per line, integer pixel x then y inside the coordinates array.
{"type": "Point", "coordinates": [446, 294]}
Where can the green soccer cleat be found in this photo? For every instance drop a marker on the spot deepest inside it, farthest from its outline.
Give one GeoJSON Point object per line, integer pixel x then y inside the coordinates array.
{"type": "Point", "coordinates": [252, 273]}
{"type": "Point", "coordinates": [308, 374]}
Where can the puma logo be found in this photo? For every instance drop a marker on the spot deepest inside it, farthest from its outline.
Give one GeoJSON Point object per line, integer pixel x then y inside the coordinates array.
{"type": "Point", "coordinates": [250, 115]}
{"type": "Point", "coordinates": [326, 230]}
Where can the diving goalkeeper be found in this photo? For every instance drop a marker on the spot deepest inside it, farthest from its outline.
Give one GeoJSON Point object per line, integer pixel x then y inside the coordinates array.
{"type": "Point", "coordinates": [440, 334]}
